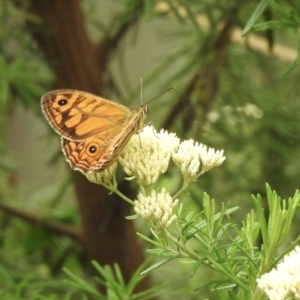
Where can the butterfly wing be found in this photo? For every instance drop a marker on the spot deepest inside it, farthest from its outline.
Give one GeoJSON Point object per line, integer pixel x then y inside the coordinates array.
{"type": "Point", "coordinates": [77, 115]}
{"type": "Point", "coordinates": [94, 130]}
{"type": "Point", "coordinates": [98, 152]}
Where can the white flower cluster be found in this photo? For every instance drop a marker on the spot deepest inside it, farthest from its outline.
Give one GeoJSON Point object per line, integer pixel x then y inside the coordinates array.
{"type": "Point", "coordinates": [147, 154]}
{"type": "Point", "coordinates": [284, 282]}
{"type": "Point", "coordinates": [251, 110]}
{"type": "Point", "coordinates": [104, 177]}
{"type": "Point", "coordinates": [187, 157]}
{"type": "Point", "coordinates": [156, 208]}
{"type": "Point", "coordinates": [210, 158]}
{"type": "Point", "coordinates": [191, 154]}
{"type": "Point", "coordinates": [145, 157]}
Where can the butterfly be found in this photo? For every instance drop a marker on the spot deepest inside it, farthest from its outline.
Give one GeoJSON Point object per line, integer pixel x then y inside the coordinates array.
{"type": "Point", "coordinates": [93, 130]}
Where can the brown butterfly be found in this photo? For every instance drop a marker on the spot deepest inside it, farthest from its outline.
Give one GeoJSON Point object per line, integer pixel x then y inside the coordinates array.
{"type": "Point", "coordinates": [93, 130]}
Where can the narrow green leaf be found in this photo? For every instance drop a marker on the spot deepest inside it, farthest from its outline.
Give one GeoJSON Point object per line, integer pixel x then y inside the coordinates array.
{"type": "Point", "coordinates": [272, 25]}
{"type": "Point", "coordinates": [278, 9]}
{"type": "Point", "coordinates": [157, 265]}
{"type": "Point", "coordinates": [257, 12]}
{"type": "Point", "coordinates": [295, 63]}
{"type": "Point", "coordinates": [80, 283]}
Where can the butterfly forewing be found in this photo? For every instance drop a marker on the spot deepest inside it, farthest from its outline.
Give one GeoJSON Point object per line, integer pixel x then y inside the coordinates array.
{"type": "Point", "coordinates": [77, 115]}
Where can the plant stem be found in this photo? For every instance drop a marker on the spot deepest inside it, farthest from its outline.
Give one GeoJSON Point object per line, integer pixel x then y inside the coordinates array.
{"type": "Point", "coordinates": [116, 191]}
{"type": "Point", "coordinates": [182, 247]}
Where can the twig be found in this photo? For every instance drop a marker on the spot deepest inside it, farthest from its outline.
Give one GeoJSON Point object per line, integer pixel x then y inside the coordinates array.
{"type": "Point", "coordinates": [55, 227]}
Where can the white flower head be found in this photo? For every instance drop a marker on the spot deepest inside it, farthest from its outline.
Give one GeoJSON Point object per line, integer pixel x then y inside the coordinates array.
{"type": "Point", "coordinates": [283, 282]}
{"type": "Point", "coordinates": [251, 110]}
{"type": "Point", "coordinates": [158, 208]}
{"type": "Point", "coordinates": [210, 157]}
{"type": "Point", "coordinates": [105, 177]}
{"type": "Point", "coordinates": [187, 158]}
{"type": "Point", "coordinates": [191, 155]}
{"type": "Point", "coordinates": [213, 116]}
{"type": "Point", "coordinates": [147, 154]}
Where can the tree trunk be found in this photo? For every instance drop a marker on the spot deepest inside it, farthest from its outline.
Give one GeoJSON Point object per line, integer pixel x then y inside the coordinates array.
{"type": "Point", "coordinates": [107, 236]}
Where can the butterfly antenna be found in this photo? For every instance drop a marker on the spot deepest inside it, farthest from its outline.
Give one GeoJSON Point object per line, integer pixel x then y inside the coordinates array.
{"type": "Point", "coordinates": [141, 91]}
{"type": "Point", "coordinates": [168, 89]}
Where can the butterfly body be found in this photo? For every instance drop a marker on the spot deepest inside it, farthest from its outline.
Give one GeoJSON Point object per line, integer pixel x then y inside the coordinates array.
{"type": "Point", "coordinates": [93, 130]}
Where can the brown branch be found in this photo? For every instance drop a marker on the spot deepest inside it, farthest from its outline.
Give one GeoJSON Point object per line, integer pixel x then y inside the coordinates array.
{"type": "Point", "coordinates": [50, 225]}
{"type": "Point", "coordinates": [204, 82]}
{"type": "Point", "coordinates": [180, 104]}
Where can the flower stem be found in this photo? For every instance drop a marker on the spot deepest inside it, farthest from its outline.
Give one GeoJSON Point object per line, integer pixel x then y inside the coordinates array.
{"type": "Point", "coordinates": [116, 191]}
{"type": "Point", "coordinates": [185, 185]}
{"type": "Point", "coordinates": [182, 247]}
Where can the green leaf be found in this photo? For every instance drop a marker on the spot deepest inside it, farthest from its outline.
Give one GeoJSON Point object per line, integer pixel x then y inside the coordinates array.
{"type": "Point", "coordinates": [81, 284]}
{"type": "Point", "coordinates": [257, 12]}
{"type": "Point", "coordinates": [157, 265]}
{"type": "Point", "coordinates": [272, 25]}
{"type": "Point", "coordinates": [295, 63]}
